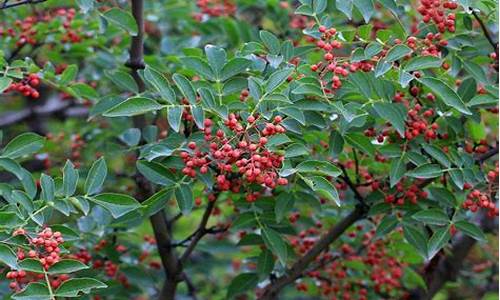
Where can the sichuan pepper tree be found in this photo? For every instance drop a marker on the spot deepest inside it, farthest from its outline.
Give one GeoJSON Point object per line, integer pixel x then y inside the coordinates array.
{"type": "Point", "coordinates": [249, 149]}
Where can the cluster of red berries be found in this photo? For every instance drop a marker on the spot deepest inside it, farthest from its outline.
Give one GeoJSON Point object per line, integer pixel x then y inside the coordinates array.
{"type": "Point", "coordinates": [477, 199]}
{"type": "Point", "coordinates": [328, 43]}
{"type": "Point", "coordinates": [435, 10]}
{"type": "Point", "coordinates": [27, 86]}
{"type": "Point", "coordinates": [77, 144]}
{"type": "Point", "coordinates": [244, 95]}
{"type": "Point", "coordinates": [429, 46]}
{"type": "Point", "coordinates": [247, 158]}
{"type": "Point", "coordinates": [403, 193]}
{"type": "Point", "coordinates": [25, 33]}
{"type": "Point", "coordinates": [383, 270]}
{"type": "Point", "coordinates": [215, 8]}
{"type": "Point", "coordinates": [418, 124]}
{"type": "Point", "coordinates": [482, 147]}
{"type": "Point", "coordinates": [46, 250]}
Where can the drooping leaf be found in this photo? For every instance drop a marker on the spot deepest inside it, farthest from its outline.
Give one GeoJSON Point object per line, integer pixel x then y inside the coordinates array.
{"type": "Point", "coordinates": [96, 176]}
{"type": "Point", "coordinates": [117, 204]}
{"type": "Point", "coordinates": [132, 107]}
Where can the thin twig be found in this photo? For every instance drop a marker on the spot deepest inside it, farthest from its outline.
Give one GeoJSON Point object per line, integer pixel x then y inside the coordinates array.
{"type": "Point", "coordinates": [485, 30]}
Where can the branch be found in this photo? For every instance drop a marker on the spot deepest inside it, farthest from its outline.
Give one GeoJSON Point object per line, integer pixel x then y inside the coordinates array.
{"type": "Point", "coordinates": [351, 185]}
{"type": "Point", "coordinates": [272, 290]}
{"type": "Point", "coordinates": [161, 226]}
{"type": "Point", "coordinates": [485, 30]}
{"type": "Point", "coordinates": [200, 232]}
{"type": "Point", "coordinates": [6, 4]}
{"type": "Point", "coordinates": [448, 267]}
{"type": "Point", "coordinates": [53, 106]}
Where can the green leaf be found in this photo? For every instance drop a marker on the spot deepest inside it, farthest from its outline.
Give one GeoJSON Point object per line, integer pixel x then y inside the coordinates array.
{"type": "Point", "coordinates": [31, 265]}
{"type": "Point", "coordinates": [296, 149]}
{"type": "Point", "coordinates": [4, 83]}
{"type": "Point", "coordinates": [160, 83]}
{"type": "Point", "coordinates": [433, 216]}
{"type": "Point", "coordinates": [294, 113]}
{"type": "Point", "coordinates": [446, 93]}
{"type": "Point", "coordinates": [442, 195]}
{"type": "Point", "coordinates": [486, 100]}
{"type": "Point", "coordinates": [132, 107]}
{"type": "Point", "coordinates": [398, 169]}
{"type": "Point", "coordinates": [66, 266]}
{"type": "Point", "coordinates": [234, 67]}
{"type": "Point", "coordinates": [185, 87]}
{"type": "Point", "coordinates": [422, 63]}
{"type": "Point", "coordinates": [48, 187]}
{"type": "Point", "coordinates": [317, 167]}
{"type": "Point", "coordinates": [131, 136]}
{"type": "Point", "coordinates": [244, 221]}
{"type": "Point", "coordinates": [437, 154]}
{"type": "Point", "coordinates": [397, 52]}
{"type": "Point", "coordinates": [184, 197]}
{"type": "Point", "coordinates": [84, 91]}
{"type": "Point", "coordinates": [319, 6]}
{"type": "Point", "coordinates": [123, 80]}
{"type": "Point", "coordinates": [388, 223]}
{"type": "Point", "coordinates": [198, 116]}
{"type": "Point", "coordinates": [412, 280]}
{"type": "Point", "coordinates": [471, 230]}
{"type": "Point", "coordinates": [242, 283]}
{"type": "Point", "coordinates": [217, 58]}
{"type": "Point", "coordinates": [68, 75]}
{"type": "Point", "coordinates": [265, 263]}
{"type": "Point", "coordinates": [425, 171]}
{"type": "Point", "coordinates": [438, 240]}
{"type": "Point", "coordinates": [373, 49]}
{"type": "Point", "coordinates": [416, 238]}
{"type": "Point", "coordinates": [308, 89]}
{"type": "Point", "coordinates": [284, 204]}
{"type": "Point", "coordinates": [8, 257]}
{"type": "Point", "coordinates": [323, 187]}
{"type": "Point", "coordinates": [277, 78]}
{"type": "Point", "coordinates": [22, 174]}
{"type": "Point", "coordinates": [122, 19]}
{"type": "Point", "coordinates": [33, 291]}
{"type": "Point", "coordinates": [155, 172]}
{"type": "Point", "coordinates": [24, 144]}
{"type": "Point", "coordinates": [275, 242]}
{"type": "Point", "coordinates": [117, 204]}
{"type": "Point", "coordinates": [395, 113]}
{"type": "Point", "coordinates": [476, 71]}
{"type": "Point", "coordinates": [344, 6]}
{"type": "Point", "coordinates": [96, 176]}
{"type": "Point", "coordinates": [366, 8]}
{"type": "Point", "coordinates": [207, 98]}
{"type": "Point", "coordinates": [271, 42]}
{"type": "Point", "coordinates": [76, 286]}
{"type": "Point", "coordinates": [201, 67]}
{"type": "Point", "coordinates": [174, 117]}
{"type": "Point", "coordinates": [157, 202]}
{"type": "Point", "coordinates": [360, 142]}
{"type": "Point", "coordinates": [70, 179]}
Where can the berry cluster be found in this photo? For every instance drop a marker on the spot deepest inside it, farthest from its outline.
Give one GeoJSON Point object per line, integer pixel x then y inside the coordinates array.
{"type": "Point", "coordinates": [25, 31]}
{"type": "Point", "coordinates": [477, 199]}
{"type": "Point", "coordinates": [411, 193]}
{"type": "Point", "coordinates": [248, 158]}
{"type": "Point", "coordinates": [77, 144]}
{"type": "Point", "coordinates": [328, 43]}
{"type": "Point", "coordinates": [435, 10]}
{"type": "Point", "coordinates": [27, 86]}
{"type": "Point", "coordinates": [45, 248]}
{"type": "Point", "coordinates": [215, 8]}
{"type": "Point", "coordinates": [383, 270]}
